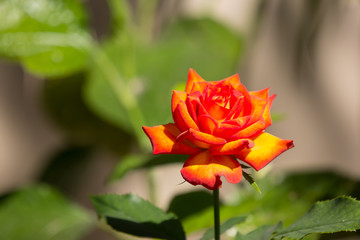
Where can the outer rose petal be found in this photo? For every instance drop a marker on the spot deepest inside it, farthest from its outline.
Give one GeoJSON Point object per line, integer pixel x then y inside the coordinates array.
{"type": "Point", "coordinates": [234, 80]}
{"type": "Point", "coordinates": [246, 107]}
{"type": "Point", "coordinates": [264, 93]}
{"type": "Point", "coordinates": [206, 169]}
{"type": "Point", "coordinates": [163, 140]}
{"type": "Point", "coordinates": [182, 117]}
{"type": "Point", "coordinates": [176, 98]}
{"type": "Point", "coordinates": [193, 77]}
{"type": "Point", "coordinates": [232, 148]}
{"type": "Point", "coordinates": [258, 107]}
{"type": "Point", "coordinates": [266, 114]}
{"type": "Point", "coordinates": [266, 148]}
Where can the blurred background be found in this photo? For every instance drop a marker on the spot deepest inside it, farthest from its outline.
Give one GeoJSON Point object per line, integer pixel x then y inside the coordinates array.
{"type": "Point", "coordinates": [78, 79]}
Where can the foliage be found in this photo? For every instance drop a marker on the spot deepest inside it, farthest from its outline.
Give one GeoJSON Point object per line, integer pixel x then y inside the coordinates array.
{"type": "Point", "coordinates": [49, 38]}
{"type": "Point", "coordinates": [133, 215]}
{"type": "Point", "coordinates": [42, 213]}
{"type": "Point", "coordinates": [339, 214]}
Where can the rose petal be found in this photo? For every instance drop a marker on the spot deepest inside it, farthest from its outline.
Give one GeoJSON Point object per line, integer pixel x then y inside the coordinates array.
{"type": "Point", "coordinates": [200, 87]}
{"type": "Point", "coordinates": [233, 81]}
{"type": "Point", "coordinates": [264, 93]}
{"type": "Point", "coordinates": [246, 108]}
{"type": "Point", "coordinates": [266, 115]}
{"type": "Point", "coordinates": [163, 140]}
{"type": "Point", "coordinates": [250, 131]}
{"type": "Point", "coordinates": [258, 108]}
{"type": "Point", "coordinates": [206, 169]}
{"type": "Point", "coordinates": [193, 77]}
{"type": "Point", "coordinates": [266, 148]}
{"type": "Point", "coordinates": [226, 130]}
{"type": "Point", "coordinates": [176, 98]}
{"type": "Point", "coordinates": [182, 118]}
{"type": "Point", "coordinates": [232, 148]}
{"type": "Point", "coordinates": [216, 111]}
{"type": "Point", "coordinates": [236, 109]}
{"type": "Point", "coordinates": [207, 124]}
{"type": "Point", "coordinates": [192, 107]}
{"type": "Point", "coordinates": [229, 128]}
{"type": "Point", "coordinates": [241, 121]}
{"type": "Point", "coordinates": [200, 139]}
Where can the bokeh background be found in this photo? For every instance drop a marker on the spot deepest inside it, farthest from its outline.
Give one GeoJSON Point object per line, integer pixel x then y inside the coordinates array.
{"type": "Point", "coordinates": [78, 79]}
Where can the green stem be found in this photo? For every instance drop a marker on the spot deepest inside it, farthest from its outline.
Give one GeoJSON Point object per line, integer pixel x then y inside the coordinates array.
{"type": "Point", "coordinates": [123, 95]}
{"type": "Point", "coordinates": [216, 214]}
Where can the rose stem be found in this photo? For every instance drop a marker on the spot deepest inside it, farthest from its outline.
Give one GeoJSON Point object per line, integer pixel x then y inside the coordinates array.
{"type": "Point", "coordinates": [216, 214]}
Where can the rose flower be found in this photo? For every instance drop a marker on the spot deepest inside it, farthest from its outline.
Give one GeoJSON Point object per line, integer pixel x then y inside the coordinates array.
{"type": "Point", "coordinates": [218, 123]}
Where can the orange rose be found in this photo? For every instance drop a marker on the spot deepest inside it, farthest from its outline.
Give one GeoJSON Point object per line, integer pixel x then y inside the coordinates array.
{"type": "Point", "coordinates": [217, 124]}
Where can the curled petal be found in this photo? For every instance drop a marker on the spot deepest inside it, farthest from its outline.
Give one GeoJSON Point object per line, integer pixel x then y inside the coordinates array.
{"type": "Point", "coordinates": [182, 117]}
{"type": "Point", "coordinates": [266, 115]}
{"type": "Point", "coordinates": [266, 148]}
{"type": "Point", "coordinates": [193, 77]}
{"type": "Point", "coordinates": [216, 111]}
{"type": "Point", "coordinates": [246, 107]}
{"type": "Point", "coordinates": [206, 169]}
{"type": "Point", "coordinates": [232, 148]}
{"type": "Point", "coordinates": [258, 108]}
{"type": "Point", "coordinates": [163, 140]}
{"type": "Point", "coordinates": [240, 122]}
{"type": "Point", "coordinates": [250, 131]}
{"type": "Point", "coordinates": [233, 80]}
{"type": "Point", "coordinates": [260, 119]}
{"type": "Point", "coordinates": [200, 139]}
{"type": "Point", "coordinates": [236, 109]}
{"type": "Point", "coordinates": [176, 98]}
{"type": "Point", "coordinates": [264, 93]}
{"type": "Point", "coordinates": [199, 87]}
{"type": "Point", "coordinates": [192, 107]}
{"type": "Point", "coordinates": [228, 128]}
{"type": "Point", "coordinates": [207, 124]}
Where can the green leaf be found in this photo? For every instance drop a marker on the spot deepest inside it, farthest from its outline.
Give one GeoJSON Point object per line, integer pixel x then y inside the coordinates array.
{"type": "Point", "coordinates": [111, 92]}
{"type": "Point", "coordinates": [133, 215]}
{"type": "Point", "coordinates": [261, 233]}
{"type": "Point", "coordinates": [41, 213]}
{"type": "Point", "coordinates": [209, 234]}
{"type": "Point", "coordinates": [120, 14]}
{"type": "Point", "coordinates": [64, 103]}
{"type": "Point", "coordinates": [336, 215]}
{"type": "Point", "coordinates": [48, 37]}
{"type": "Point", "coordinates": [190, 203]}
{"type": "Point", "coordinates": [298, 192]}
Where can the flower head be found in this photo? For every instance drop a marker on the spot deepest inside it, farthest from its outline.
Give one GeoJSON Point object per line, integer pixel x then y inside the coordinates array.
{"type": "Point", "coordinates": [217, 124]}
